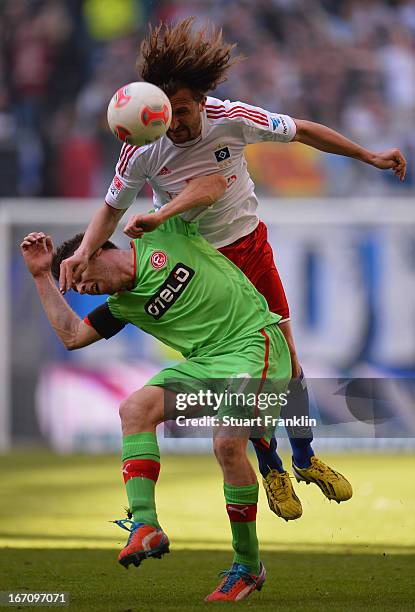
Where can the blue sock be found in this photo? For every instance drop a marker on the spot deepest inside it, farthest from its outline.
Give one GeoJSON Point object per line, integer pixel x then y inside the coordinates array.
{"type": "Point", "coordinates": [300, 437]}
{"type": "Point", "coordinates": [302, 451]}
{"type": "Point", "coordinates": [268, 458]}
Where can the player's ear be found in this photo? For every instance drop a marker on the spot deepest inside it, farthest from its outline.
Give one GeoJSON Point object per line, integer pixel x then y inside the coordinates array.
{"type": "Point", "coordinates": [202, 103]}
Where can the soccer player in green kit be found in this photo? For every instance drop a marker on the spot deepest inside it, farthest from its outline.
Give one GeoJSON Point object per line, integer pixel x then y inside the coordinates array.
{"type": "Point", "coordinates": [175, 286]}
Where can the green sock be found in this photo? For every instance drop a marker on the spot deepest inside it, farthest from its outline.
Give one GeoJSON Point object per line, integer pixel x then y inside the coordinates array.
{"type": "Point", "coordinates": [141, 466]}
{"type": "Point", "coordinates": [241, 505]}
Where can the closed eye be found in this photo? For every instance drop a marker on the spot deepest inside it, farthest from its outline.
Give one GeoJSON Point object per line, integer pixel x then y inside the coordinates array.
{"type": "Point", "coordinates": [181, 111]}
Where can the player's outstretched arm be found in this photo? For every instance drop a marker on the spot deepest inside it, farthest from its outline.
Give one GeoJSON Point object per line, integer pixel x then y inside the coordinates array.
{"type": "Point", "coordinates": [328, 140]}
{"type": "Point", "coordinates": [200, 191]}
{"type": "Point", "coordinates": [37, 251]}
{"type": "Point", "coordinates": [100, 228]}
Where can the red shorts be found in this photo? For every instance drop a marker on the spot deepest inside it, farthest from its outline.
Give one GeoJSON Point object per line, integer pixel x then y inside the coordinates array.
{"type": "Point", "coordinates": [253, 255]}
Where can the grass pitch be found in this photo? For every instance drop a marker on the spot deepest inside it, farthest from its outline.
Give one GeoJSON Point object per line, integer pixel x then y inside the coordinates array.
{"type": "Point", "coordinates": [55, 536]}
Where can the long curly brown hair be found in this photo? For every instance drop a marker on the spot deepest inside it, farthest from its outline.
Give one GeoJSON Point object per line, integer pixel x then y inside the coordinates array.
{"type": "Point", "coordinates": [175, 56]}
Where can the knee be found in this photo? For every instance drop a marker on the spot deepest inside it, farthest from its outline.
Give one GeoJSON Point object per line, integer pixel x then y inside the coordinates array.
{"type": "Point", "coordinates": [137, 413]}
{"type": "Point", "coordinates": [129, 410]}
{"type": "Point", "coordinates": [227, 451]}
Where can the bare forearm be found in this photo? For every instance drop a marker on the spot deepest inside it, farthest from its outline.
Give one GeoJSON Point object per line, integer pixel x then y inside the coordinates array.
{"type": "Point", "coordinates": [201, 191]}
{"type": "Point", "coordinates": [100, 228]}
{"type": "Point", "coordinates": [328, 140]}
{"type": "Point", "coordinates": [64, 321]}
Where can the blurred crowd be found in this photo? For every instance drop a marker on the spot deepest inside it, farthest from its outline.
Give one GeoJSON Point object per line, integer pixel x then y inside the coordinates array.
{"type": "Point", "coordinates": [349, 64]}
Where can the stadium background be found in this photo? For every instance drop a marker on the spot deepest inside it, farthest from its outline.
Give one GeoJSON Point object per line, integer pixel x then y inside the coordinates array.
{"type": "Point", "coordinates": [342, 233]}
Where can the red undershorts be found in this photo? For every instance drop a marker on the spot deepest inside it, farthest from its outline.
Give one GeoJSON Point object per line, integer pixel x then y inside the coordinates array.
{"type": "Point", "coordinates": [253, 255]}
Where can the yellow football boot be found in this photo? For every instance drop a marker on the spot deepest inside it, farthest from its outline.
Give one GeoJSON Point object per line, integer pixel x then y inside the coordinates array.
{"type": "Point", "coordinates": [333, 484]}
{"type": "Point", "coordinates": [281, 496]}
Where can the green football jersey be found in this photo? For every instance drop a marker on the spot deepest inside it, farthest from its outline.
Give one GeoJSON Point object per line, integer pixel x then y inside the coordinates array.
{"type": "Point", "coordinates": [188, 295]}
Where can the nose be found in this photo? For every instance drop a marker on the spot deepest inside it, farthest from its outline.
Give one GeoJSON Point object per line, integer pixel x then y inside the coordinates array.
{"type": "Point", "coordinates": [80, 287]}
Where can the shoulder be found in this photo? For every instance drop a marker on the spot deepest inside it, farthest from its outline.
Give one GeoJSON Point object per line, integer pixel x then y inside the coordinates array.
{"type": "Point", "coordinates": [226, 111]}
{"type": "Point", "coordinates": [133, 160]}
{"type": "Point", "coordinates": [128, 157]}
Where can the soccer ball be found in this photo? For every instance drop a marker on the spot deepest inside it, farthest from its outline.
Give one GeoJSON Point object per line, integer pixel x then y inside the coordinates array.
{"type": "Point", "coordinates": [139, 113]}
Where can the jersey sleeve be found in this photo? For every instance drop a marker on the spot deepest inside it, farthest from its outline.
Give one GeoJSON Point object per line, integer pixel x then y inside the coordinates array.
{"type": "Point", "coordinates": [104, 322]}
{"type": "Point", "coordinates": [128, 180]}
{"type": "Point", "coordinates": [257, 124]}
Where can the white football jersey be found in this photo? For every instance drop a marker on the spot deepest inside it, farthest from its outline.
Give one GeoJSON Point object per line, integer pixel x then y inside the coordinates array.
{"type": "Point", "coordinates": [227, 127]}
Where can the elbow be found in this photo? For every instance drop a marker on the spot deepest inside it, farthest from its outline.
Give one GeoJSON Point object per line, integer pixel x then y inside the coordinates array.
{"type": "Point", "coordinates": [70, 344]}
{"type": "Point", "coordinates": [301, 131]}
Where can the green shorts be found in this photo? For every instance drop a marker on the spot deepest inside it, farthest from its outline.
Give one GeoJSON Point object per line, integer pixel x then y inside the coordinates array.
{"type": "Point", "coordinates": [257, 366]}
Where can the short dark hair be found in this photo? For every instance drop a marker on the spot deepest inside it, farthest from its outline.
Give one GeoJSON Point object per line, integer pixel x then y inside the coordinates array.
{"type": "Point", "coordinates": [173, 56]}
{"type": "Point", "coordinates": [68, 248]}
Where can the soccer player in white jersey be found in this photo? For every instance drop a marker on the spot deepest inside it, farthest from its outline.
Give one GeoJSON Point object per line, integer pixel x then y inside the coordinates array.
{"type": "Point", "coordinates": [199, 170]}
